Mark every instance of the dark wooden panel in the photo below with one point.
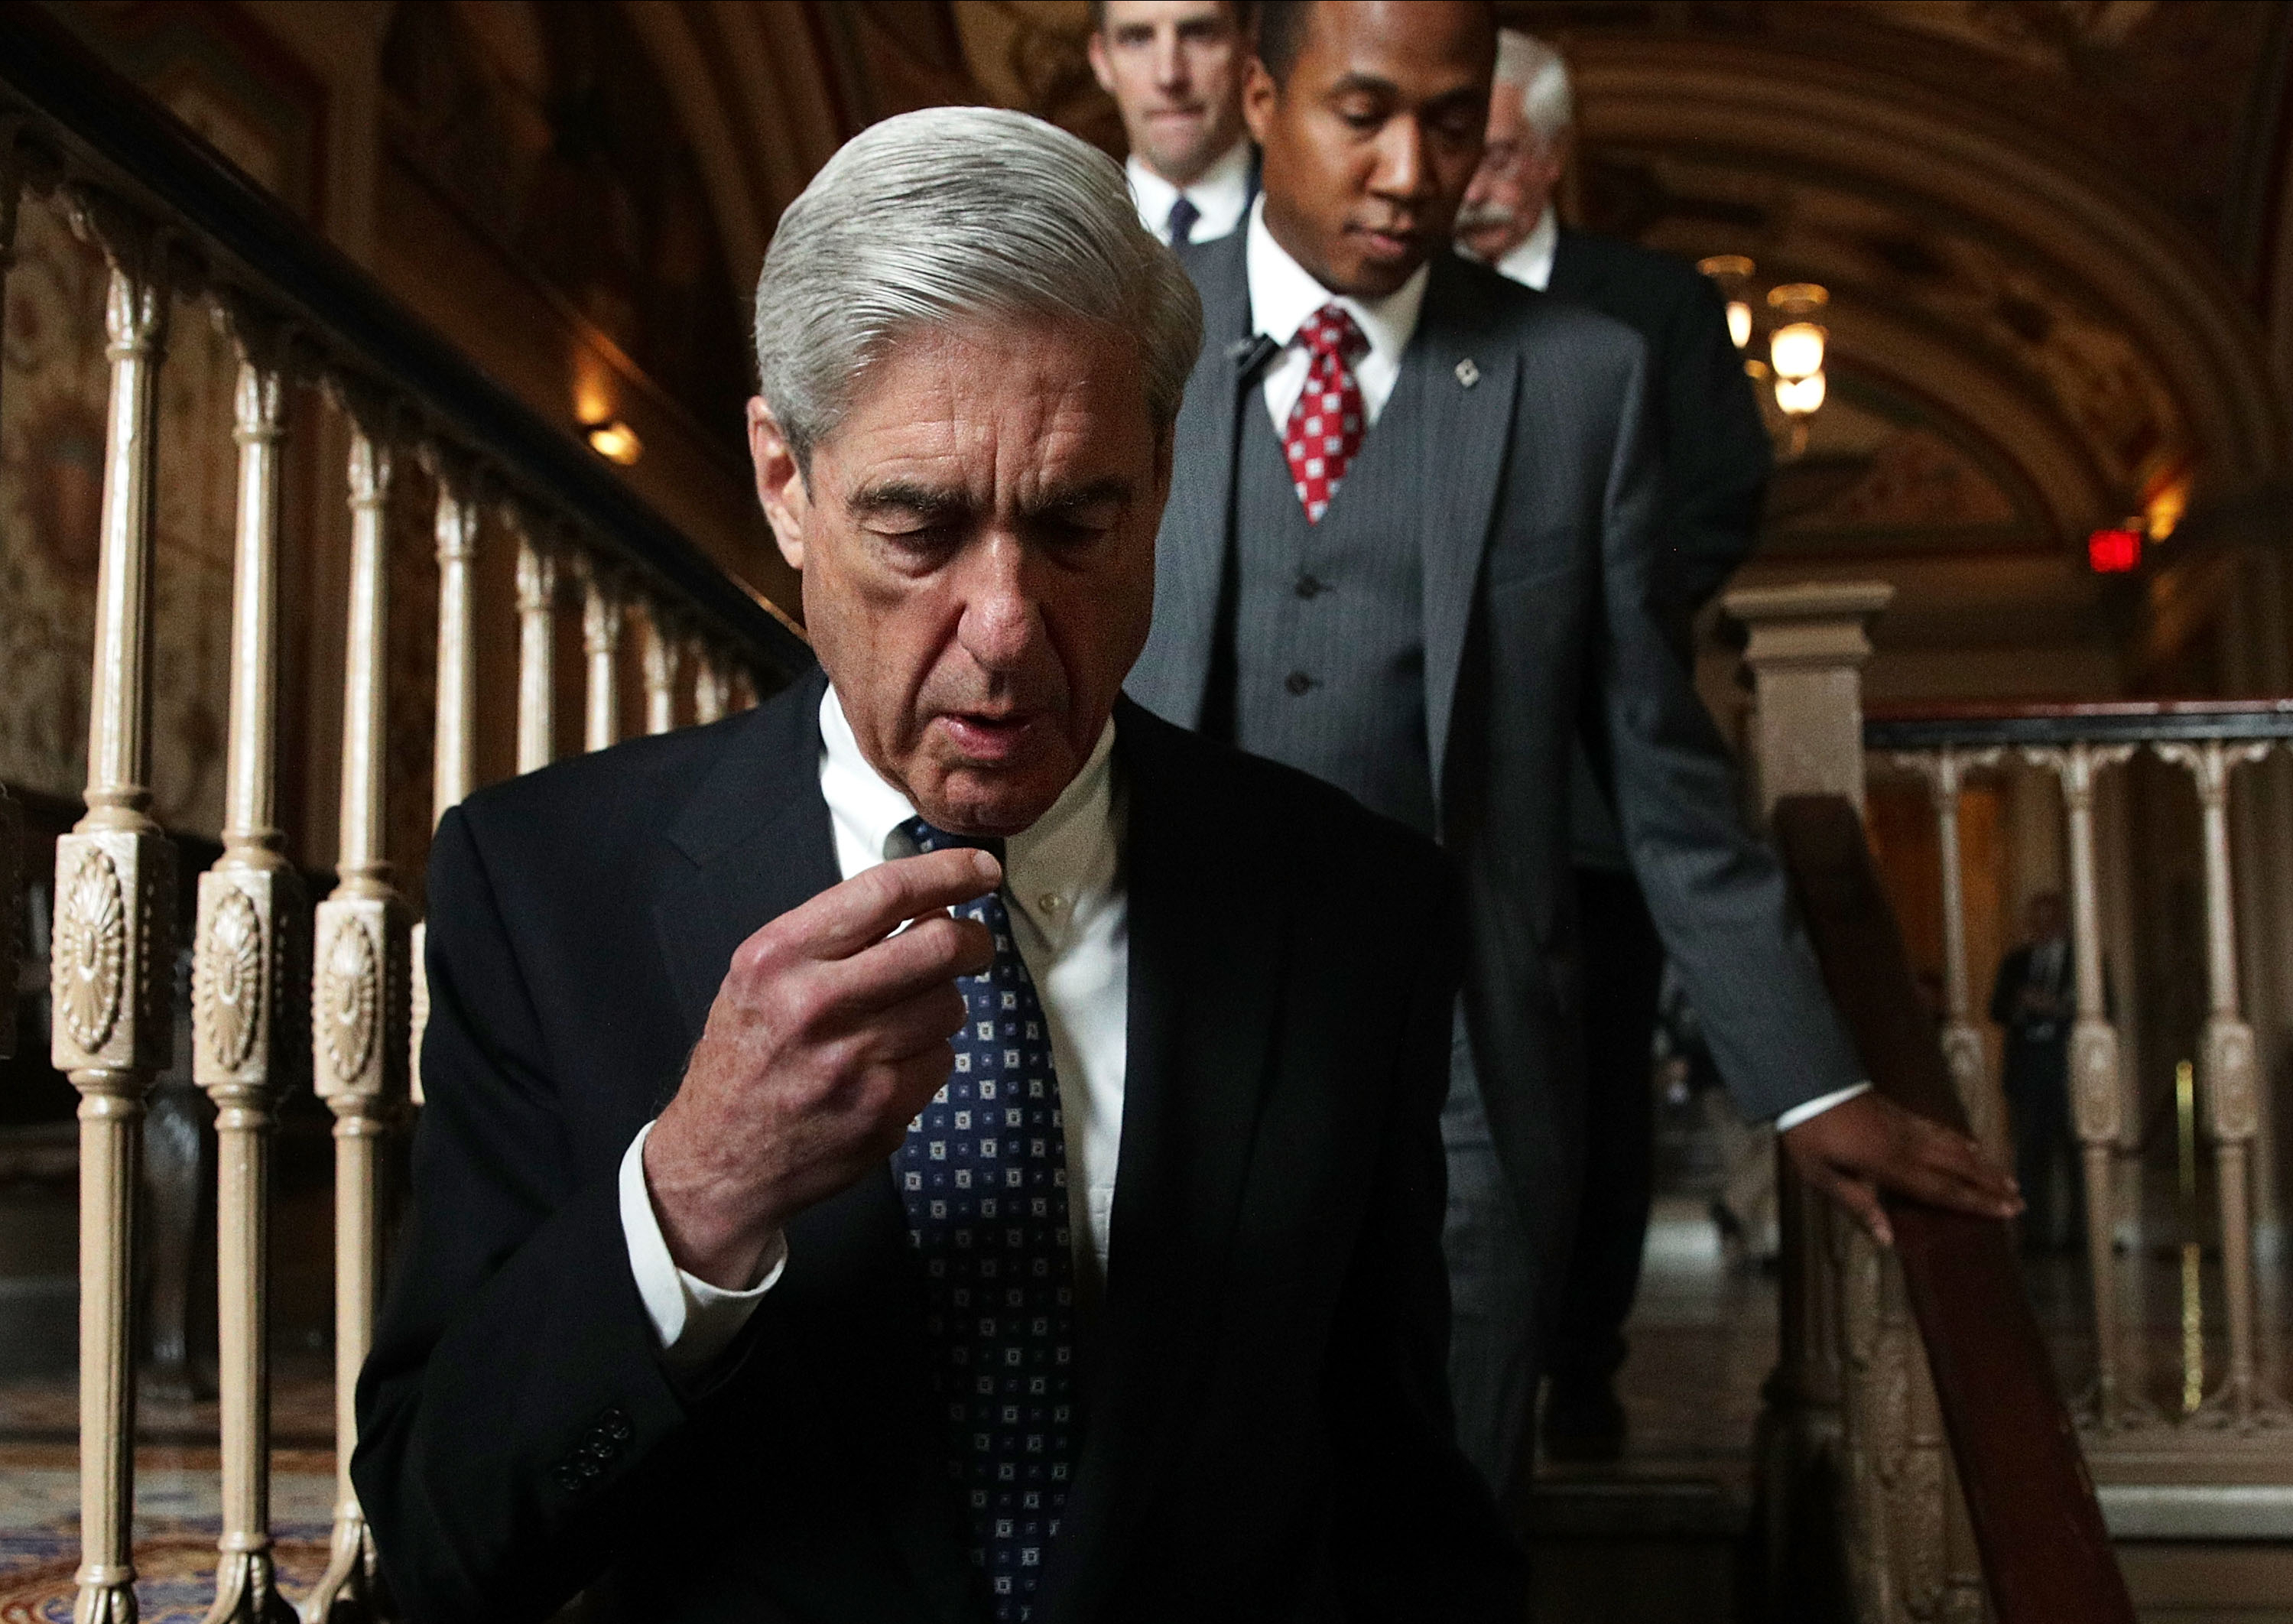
(2046, 1551)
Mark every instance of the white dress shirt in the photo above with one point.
(1064, 887)
(1219, 195)
(1530, 261)
(1282, 292)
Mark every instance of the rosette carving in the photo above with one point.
(232, 980)
(349, 1002)
(91, 950)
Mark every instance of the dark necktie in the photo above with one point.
(1183, 216)
(1326, 426)
(983, 1177)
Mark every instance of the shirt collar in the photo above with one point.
(1282, 292)
(1530, 263)
(1068, 849)
(1219, 193)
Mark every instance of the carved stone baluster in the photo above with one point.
(1945, 772)
(2231, 1080)
(454, 734)
(660, 654)
(2097, 1100)
(11, 818)
(712, 689)
(537, 655)
(250, 958)
(600, 641)
(113, 959)
(358, 1012)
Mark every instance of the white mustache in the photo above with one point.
(1484, 216)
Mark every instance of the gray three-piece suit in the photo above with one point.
(1484, 585)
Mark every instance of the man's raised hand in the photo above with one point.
(828, 1036)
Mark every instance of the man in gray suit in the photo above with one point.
(1411, 540)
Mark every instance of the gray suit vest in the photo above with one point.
(1329, 641)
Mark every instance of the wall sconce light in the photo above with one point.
(1731, 272)
(614, 441)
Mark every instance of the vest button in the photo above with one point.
(1298, 682)
(1308, 587)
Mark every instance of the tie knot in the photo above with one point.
(928, 838)
(1183, 216)
(1330, 331)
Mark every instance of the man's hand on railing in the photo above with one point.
(1853, 1151)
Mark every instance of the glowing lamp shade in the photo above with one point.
(2113, 551)
(1799, 397)
(1739, 323)
(1797, 350)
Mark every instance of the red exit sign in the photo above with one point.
(2113, 552)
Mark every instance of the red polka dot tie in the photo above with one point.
(1326, 425)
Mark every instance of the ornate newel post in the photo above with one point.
(2230, 1079)
(114, 950)
(1852, 1381)
(1945, 773)
(661, 655)
(2098, 1101)
(537, 654)
(600, 641)
(359, 1014)
(252, 948)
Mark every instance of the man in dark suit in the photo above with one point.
(2035, 1000)
(736, 1287)
(1411, 539)
(1706, 425)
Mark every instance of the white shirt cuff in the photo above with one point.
(1808, 1109)
(695, 1321)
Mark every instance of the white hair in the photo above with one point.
(1537, 70)
(953, 214)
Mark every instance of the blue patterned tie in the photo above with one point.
(983, 1177)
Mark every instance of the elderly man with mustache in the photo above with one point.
(947, 1144)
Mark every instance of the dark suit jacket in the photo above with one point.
(1705, 422)
(1538, 525)
(1267, 1425)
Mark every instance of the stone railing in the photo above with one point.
(180, 229)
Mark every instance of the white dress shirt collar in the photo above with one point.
(1530, 262)
(1282, 292)
(1219, 194)
(1058, 871)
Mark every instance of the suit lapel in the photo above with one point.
(1466, 425)
(1574, 276)
(1191, 550)
(757, 842)
(1207, 949)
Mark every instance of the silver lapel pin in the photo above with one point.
(1468, 374)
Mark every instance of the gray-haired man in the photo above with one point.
(786, 1248)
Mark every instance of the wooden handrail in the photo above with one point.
(2046, 1552)
(1976, 724)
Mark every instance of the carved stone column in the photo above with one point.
(252, 954)
(112, 965)
(2230, 1076)
(1807, 649)
(1945, 772)
(537, 655)
(2098, 1101)
(600, 641)
(660, 654)
(359, 1013)
(712, 689)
